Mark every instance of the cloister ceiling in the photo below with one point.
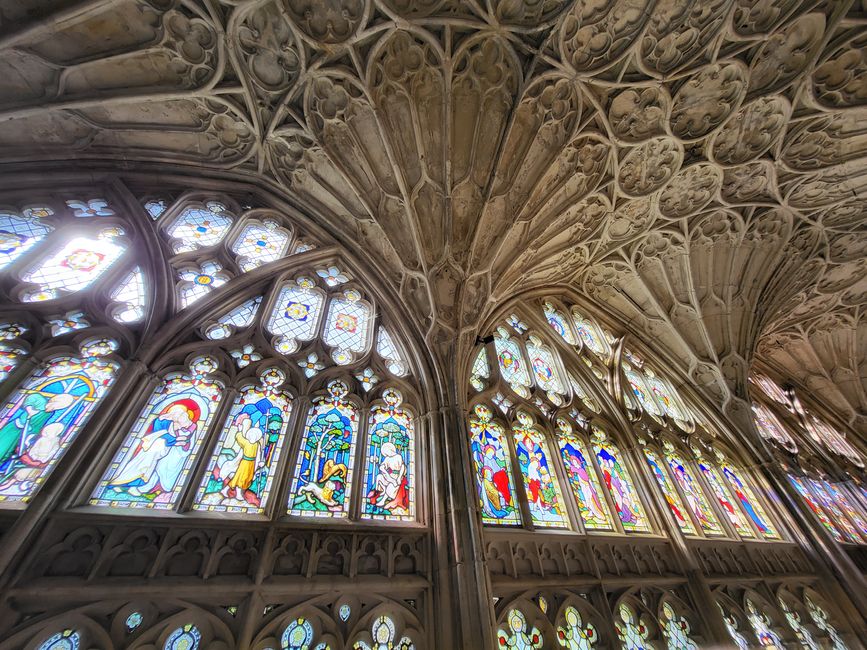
(698, 168)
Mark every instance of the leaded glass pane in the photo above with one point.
(296, 315)
(198, 282)
(664, 397)
(762, 627)
(511, 360)
(633, 632)
(66, 640)
(838, 517)
(620, 486)
(582, 479)
(813, 504)
(386, 349)
(260, 243)
(749, 503)
(839, 496)
(200, 227)
(798, 627)
(10, 356)
(347, 326)
(298, 635)
(518, 635)
(675, 629)
(825, 434)
(723, 495)
(671, 496)
(544, 366)
(540, 481)
(130, 292)
(589, 335)
(639, 389)
(18, 234)
(187, 637)
(771, 428)
(559, 323)
(694, 495)
(573, 633)
(493, 471)
(823, 622)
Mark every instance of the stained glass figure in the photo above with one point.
(731, 624)
(296, 315)
(582, 394)
(573, 633)
(196, 282)
(675, 629)
(642, 394)
(131, 293)
(837, 515)
(367, 378)
(761, 625)
(298, 635)
(150, 468)
(517, 636)
(823, 622)
(749, 503)
(133, 621)
(332, 276)
(73, 267)
(511, 360)
(694, 495)
(156, 207)
(559, 323)
(582, 479)
(770, 427)
(241, 472)
(389, 352)
(632, 631)
(801, 632)
(187, 637)
(825, 434)
(801, 486)
(619, 484)
(670, 494)
(20, 233)
(540, 481)
(245, 356)
(589, 335)
(260, 243)
(66, 640)
(545, 370)
(839, 496)
(723, 496)
(10, 356)
(199, 227)
(69, 322)
(347, 326)
(383, 633)
(664, 397)
(45, 414)
(770, 388)
(480, 371)
(389, 468)
(493, 471)
(323, 474)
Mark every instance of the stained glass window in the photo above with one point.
(545, 369)
(825, 434)
(589, 335)
(90, 208)
(670, 494)
(823, 622)
(540, 481)
(664, 396)
(130, 292)
(298, 635)
(837, 515)
(813, 504)
(237, 319)
(770, 388)
(155, 208)
(246, 355)
(493, 471)
(632, 631)
(770, 427)
(839, 496)
(323, 473)
(10, 356)
(390, 353)
(582, 479)
(73, 267)
(69, 322)
(480, 371)
(383, 633)
(18, 234)
(187, 637)
(198, 281)
(333, 276)
(726, 502)
(42, 417)
(200, 227)
(367, 378)
(639, 389)
(241, 472)
(260, 243)
(296, 315)
(133, 621)
(582, 394)
(798, 627)
(675, 629)
(517, 636)
(574, 633)
(749, 503)
(344, 612)
(149, 469)
(511, 360)
(731, 624)
(66, 640)
(619, 484)
(761, 625)
(559, 323)
(694, 495)
(346, 326)
(389, 467)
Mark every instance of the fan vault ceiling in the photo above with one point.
(697, 168)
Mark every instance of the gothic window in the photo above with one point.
(833, 509)
(731, 507)
(839, 495)
(675, 505)
(640, 391)
(541, 486)
(675, 629)
(693, 493)
(296, 314)
(347, 327)
(559, 323)
(480, 370)
(130, 297)
(46, 413)
(513, 368)
(493, 468)
(590, 335)
(545, 372)
(10, 357)
(771, 428)
(731, 623)
(259, 243)
(298, 635)
(197, 281)
(822, 621)
(66, 640)
(582, 476)
(21, 232)
(518, 634)
(761, 624)
(573, 633)
(186, 637)
(200, 226)
(384, 635)
(389, 353)
(770, 388)
(618, 481)
(833, 440)
(633, 631)
(793, 617)
(800, 484)
(746, 497)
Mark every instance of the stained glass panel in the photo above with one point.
(42, 417)
(73, 267)
(200, 227)
(770, 427)
(573, 633)
(675, 629)
(813, 504)
(10, 356)
(823, 622)
(389, 468)
(801, 632)
(155, 208)
(383, 633)
(131, 292)
(694, 495)
(296, 315)
(838, 517)
(582, 394)
(237, 319)
(346, 326)
(198, 282)
(825, 434)
(517, 636)
(66, 640)
(670, 494)
(323, 474)
(69, 322)
(480, 370)
(762, 627)
(298, 635)
(150, 468)
(260, 243)
(241, 472)
(664, 397)
(723, 495)
(620, 486)
(559, 323)
(633, 632)
(386, 349)
(770, 388)
(18, 234)
(544, 366)
(187, 637)
(493, 471)
(839, 496)
(588, 334)
(731, 624)
(639, 389)
(749, 503)
(540, 481)
(511, 360)
(582, 479)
